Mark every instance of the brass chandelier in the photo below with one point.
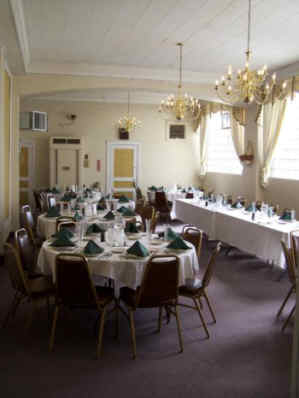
(247, 85)
(128, 122)
(182, 107)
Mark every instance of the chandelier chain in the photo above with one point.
(249, 27)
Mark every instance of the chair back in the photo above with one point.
(210, 267)
(15, 269)
(194, 236)
(26, 248)
(67, 221)
(51, 201)
(37, 200)
(43, 201)
(160, 281)
(189, 195)
(147, 213)
(151, 196)
(295, 246)
(74, 286)
(26, 219)
(139, 195)
(290, 262)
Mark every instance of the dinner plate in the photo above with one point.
(134, 236)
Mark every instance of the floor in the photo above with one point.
(246, 356)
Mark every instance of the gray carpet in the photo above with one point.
(246, 356)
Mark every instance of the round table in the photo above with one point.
(117, 266)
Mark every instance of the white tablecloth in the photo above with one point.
(235, 227)
(128, 272)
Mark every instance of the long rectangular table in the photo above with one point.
(260, 238)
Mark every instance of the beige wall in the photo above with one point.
(162, 162)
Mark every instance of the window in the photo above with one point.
(222, 157)
(285, 163)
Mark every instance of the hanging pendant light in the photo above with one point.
(128, 122)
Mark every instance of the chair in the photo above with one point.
(194, 236)
(148, 212)
(151, 196)
(198, 289)
(75, 289)
(43, 201)
(37, 199)
(34, 290)
(189, 195)
(295, 246)
(66, 221)
(27, 221)
(162, 205)
(290, 262)
(159, 288)
(28, 252)
(51, 200)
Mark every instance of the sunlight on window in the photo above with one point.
(222, 157)
(285, 163)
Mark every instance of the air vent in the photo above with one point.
(74, 141)
(59, 141)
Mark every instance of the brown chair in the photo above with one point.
(51, 200)
(198, 289)
(148, 212)
(194, 236)
(27, 221)
(295, 246)
(34, 290)
(66, 221)
(75, 289)
(37, 199)
(189, 195)
(162, 205)
(151, 195)
(290, 263)
(28, 252)
(159, 288)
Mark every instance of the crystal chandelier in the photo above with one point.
(182, 107)
(128, 122)
(246, 85)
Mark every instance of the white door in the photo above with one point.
(67, 167)
(26, 161)
(122, 167)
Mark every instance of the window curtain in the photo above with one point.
(237, 135)
(203, 142)
(273, 115)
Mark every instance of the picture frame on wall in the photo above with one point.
(175, 131)
(123, 134)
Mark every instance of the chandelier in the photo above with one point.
(246, 85)
(181, 106)
(128, 122)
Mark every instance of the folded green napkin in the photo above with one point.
(55, 190)
(94, 229)
(286, 216)
(131, 228)
(170, 234)
(53, 212)
(178, 243)
(249, 208)
(62, 241)
(77, 207)
(62, 233)
(121, 209)
(152, 188)
(128, 213)
(137, 249)
(66, 198)
(92, 248)
(123, 199)
(237, 205)
(109, 216)
(77, 217)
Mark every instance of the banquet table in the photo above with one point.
(261, 237)
(123, 269)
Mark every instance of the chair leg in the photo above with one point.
(133, 335)
(52, 337)
(101, 331)
(288, 318)
(201, 317)
(284, 302)
(210, 307)
(178, 322)
(160, 319)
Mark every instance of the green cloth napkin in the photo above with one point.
(62, 241)
(55, 190)
(237, 205)
(137, 249)
(77, 217)
(131, 228)
(170, 234)
(128, 213)
(94, 229)
(77, 207)
(152, 188)
(178, 243)
(63, 232)
(53, 212)
(66, 198)
(123, 199)
(109, 216)
(92, 248)
(249, 208)
(286, 216)
(121, 209)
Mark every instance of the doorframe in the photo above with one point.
(109, 148)
(31, 144)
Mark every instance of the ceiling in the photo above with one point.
(136, 38)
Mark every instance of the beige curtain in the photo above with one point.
(237, 135)
(273, 115)
(203, 142)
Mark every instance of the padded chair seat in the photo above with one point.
(41, 286)
(191, 289)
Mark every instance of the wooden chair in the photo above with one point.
(295, 246)
(151, 197)
(162, 205)
(75, 289)
(189, 195)
(34, 290)
(37, 199)
(198, 289)
(194, 236)
(159, 288)
(51, 200)
(66, 221)
(290, 262)
(28, 252)
(27, 222)
(148, 212)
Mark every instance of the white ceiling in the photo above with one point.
(136, 38)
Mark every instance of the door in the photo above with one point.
(123, 167)
(26, 163)
(67, 167)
